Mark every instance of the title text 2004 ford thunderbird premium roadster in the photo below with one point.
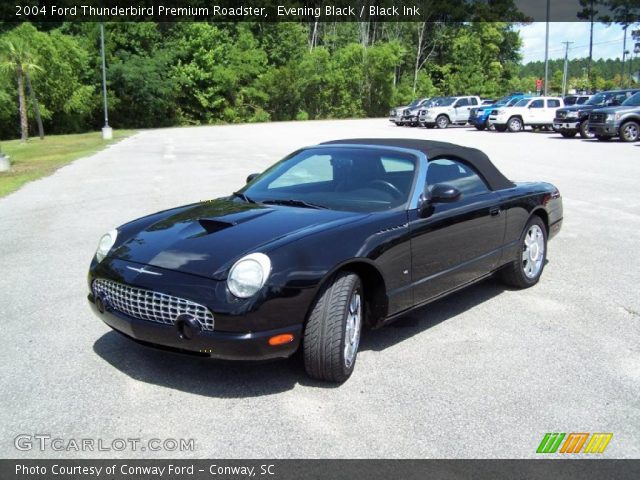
(332, 238)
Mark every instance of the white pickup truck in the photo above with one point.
(534, 112)
(448, 110)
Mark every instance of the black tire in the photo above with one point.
(442, 121)
(515, 124)
(630, 131)
(514, 274)
(568, 134)
(398, 124)
(603, 138)
(325, 332)
(584, 130)
(500, 128)
(480, 127)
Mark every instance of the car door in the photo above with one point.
(535, 112)
(553, 104)
(462, 110)
(455, 243)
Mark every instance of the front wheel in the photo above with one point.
(442, 121)
(515, 124)
(584, 130)
(480, 127)
(501, 128)
(332, 333)
(630, 131)
(527, 266)
(568, 133)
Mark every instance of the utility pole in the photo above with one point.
(546, 51)
(107, 132)
(624, 53)
(565, 76)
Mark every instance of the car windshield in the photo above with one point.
(523, 102)
(513, 101)
(600, 99)
(415, 103)
(502, 101)
(633, 101)
(445, 101)
(337, 178)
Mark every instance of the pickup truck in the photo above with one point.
(447, 111)
(574, 119)
(622, 121)
(479, 116)
(402, 115)
(535, 112)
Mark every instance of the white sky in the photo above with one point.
(607, 40)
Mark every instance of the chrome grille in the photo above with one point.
(149, 305)
(598, 118)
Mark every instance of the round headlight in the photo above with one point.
(248, 275)
(105, 244)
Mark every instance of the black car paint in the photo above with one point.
(406, 258)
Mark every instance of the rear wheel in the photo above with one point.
(527, 266)
(442, 121)
(630, 131)
(515, 124)
(584, 130)
(568, 133)
(332, 333)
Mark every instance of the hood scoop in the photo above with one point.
(213, 226)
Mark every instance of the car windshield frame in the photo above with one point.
(632, 101)
(354, 200)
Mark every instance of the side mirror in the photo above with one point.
(251, 177)
(439, 193)
(443, 193)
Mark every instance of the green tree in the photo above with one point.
(17, 58)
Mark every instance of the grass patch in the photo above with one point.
(38, 158)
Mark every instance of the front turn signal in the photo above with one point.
(280, 339)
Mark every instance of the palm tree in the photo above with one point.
(18, 59)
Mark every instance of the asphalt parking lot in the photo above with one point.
(482, 374)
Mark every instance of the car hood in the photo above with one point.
(577, 108)
(620, 109)
(206, 238)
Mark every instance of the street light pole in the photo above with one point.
(107, 132)
(565, 75)
(624, 54)
(546, 51)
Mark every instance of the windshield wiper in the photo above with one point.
(294, 203)
(243, 197)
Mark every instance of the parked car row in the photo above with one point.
(605, 115)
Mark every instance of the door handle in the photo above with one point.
(495, 211)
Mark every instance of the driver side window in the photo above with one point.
(463, 102)
(457, 174)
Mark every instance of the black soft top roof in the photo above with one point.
(434, 150)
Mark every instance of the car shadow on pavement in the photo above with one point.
(222, 379)
(432, 314)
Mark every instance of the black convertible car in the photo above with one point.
(332, 238)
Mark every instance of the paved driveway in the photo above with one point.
(484, 373)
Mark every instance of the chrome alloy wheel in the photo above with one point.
(353, 326)
(630, 132)
(533, 252)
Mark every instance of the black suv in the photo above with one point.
(571, 120)
(622, 121)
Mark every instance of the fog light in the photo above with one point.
(281, 339)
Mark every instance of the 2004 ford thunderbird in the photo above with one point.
(332, 238)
